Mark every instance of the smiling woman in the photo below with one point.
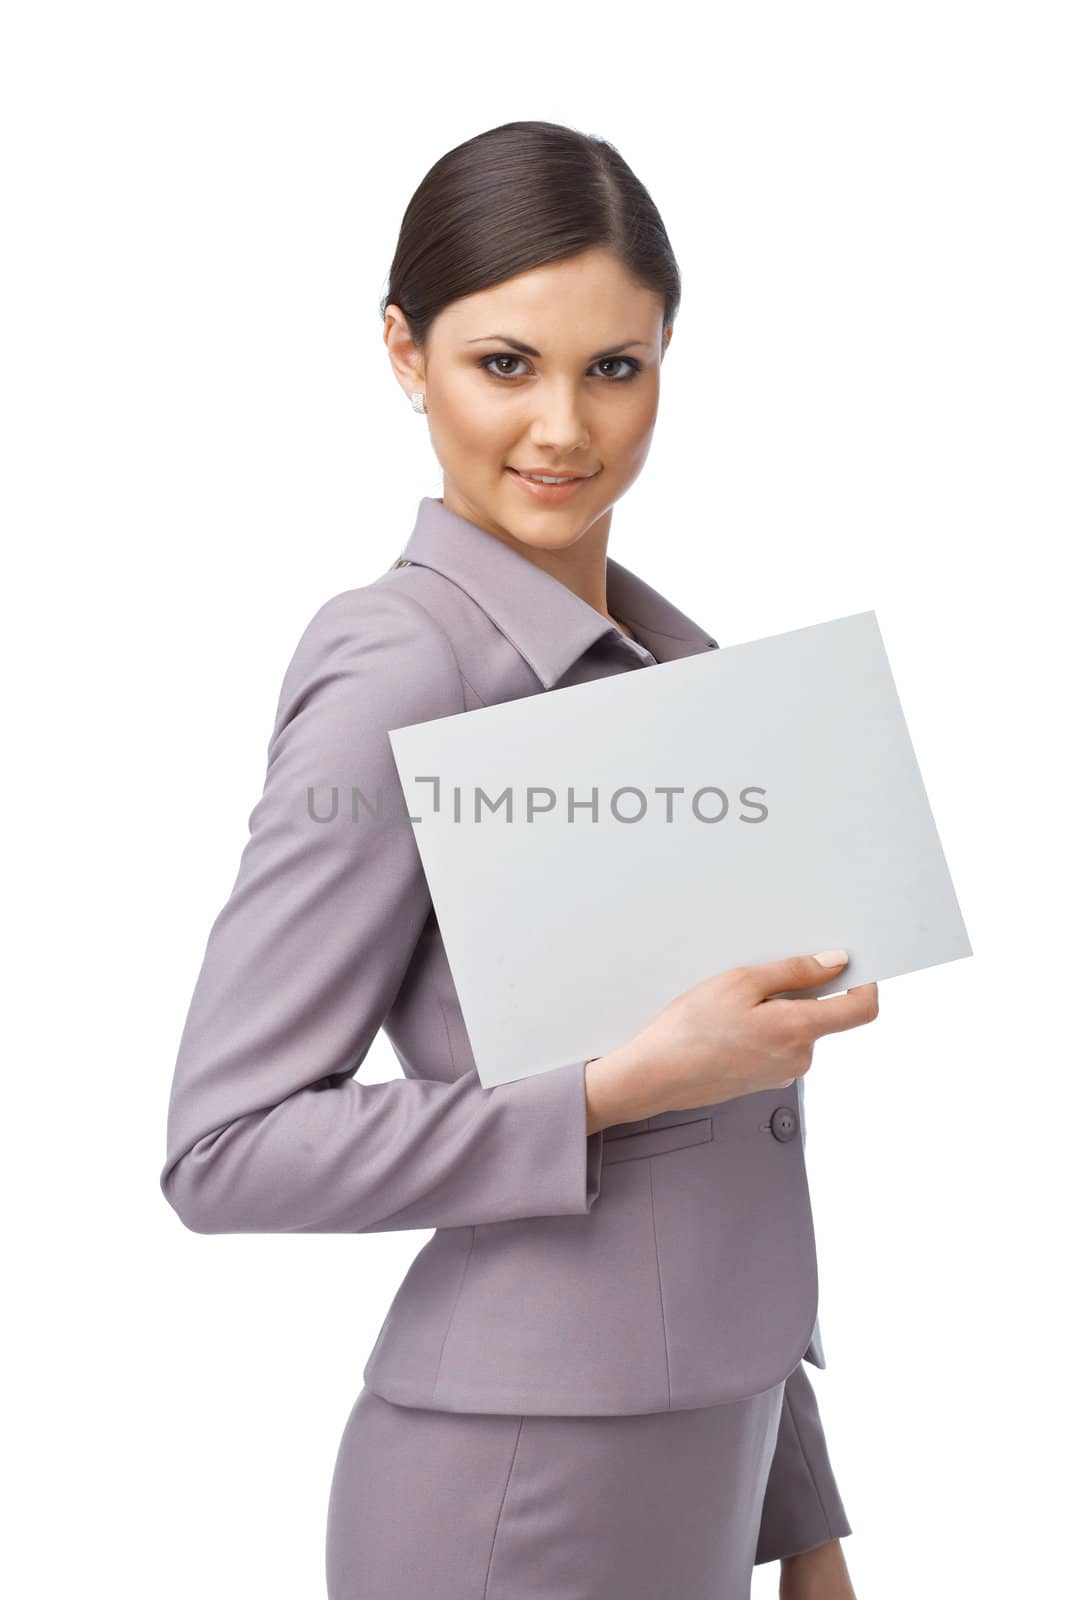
(530, 332)
(590, 1382)
(541, 429)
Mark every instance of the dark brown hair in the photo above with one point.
(517, 197)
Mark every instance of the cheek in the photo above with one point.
(470, 415)
(628, 431)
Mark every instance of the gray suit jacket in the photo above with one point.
(656, 1265)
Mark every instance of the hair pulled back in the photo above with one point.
(520, 196)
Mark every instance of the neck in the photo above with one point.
(581, 566)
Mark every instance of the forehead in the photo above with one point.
(584, 296)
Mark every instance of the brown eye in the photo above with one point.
(488, 362)
(613, 361)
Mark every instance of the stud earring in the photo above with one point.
(418, 401)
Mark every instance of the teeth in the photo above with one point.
(540, 477)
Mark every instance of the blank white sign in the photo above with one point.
(798, 822)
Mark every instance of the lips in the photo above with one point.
(542, 472)
(549, 494)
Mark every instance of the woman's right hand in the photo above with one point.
(724, 1037)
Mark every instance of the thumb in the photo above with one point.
(796, 972)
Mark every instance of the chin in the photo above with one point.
(559, 535)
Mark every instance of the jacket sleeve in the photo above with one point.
(802, 1506)
(268, 1129)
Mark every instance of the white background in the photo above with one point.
(863, 406)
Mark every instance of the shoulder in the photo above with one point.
(377, 647)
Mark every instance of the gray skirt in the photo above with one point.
(480, 1506)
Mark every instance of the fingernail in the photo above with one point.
(832, 958)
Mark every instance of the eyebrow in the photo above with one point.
(528, 349)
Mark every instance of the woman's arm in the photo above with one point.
(268, 1129)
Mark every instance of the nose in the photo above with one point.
(558, 425)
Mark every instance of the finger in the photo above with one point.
(838, 1012)
(812, 999)
(794, 972)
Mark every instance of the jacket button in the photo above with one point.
(783, 1123)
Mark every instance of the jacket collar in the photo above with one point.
(549, 625)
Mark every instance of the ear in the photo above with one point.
(404, 354)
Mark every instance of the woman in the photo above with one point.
(590, 1382)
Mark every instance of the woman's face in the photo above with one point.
(562, 405)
